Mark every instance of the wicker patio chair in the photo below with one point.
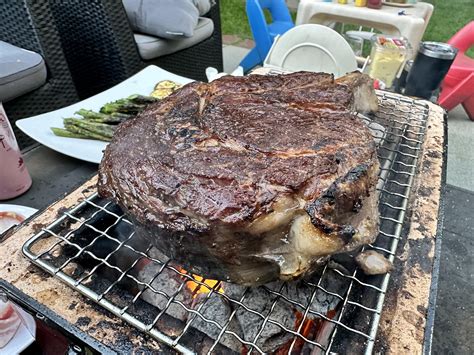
(101, 50)
(29, 24)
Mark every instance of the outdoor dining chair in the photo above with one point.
(458, 86)
(102, 51)
(29, 24)
(264, 34)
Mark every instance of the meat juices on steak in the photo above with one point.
(250, 179)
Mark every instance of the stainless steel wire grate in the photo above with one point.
(92, 248)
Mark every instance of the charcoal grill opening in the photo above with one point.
(93, 248)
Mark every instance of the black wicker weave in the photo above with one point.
(101, 51)
(29, 24)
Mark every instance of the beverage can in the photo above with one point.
(14, 176)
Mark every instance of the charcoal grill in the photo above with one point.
(356, 305)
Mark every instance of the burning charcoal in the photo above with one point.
(263, 300)
(260, 300)
(324, 302)
(217, 309)
(156, 254)
(168, 282)
(324, 334)
(273, 336)
(298, 292)
(333, 282)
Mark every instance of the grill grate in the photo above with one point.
(93, 249)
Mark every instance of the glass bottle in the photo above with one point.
(360, 3)
(374, 4)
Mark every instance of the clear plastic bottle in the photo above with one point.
(14, 176)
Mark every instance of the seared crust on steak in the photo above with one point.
(249, 179)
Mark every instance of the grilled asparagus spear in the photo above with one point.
(142, 100)
(115, 117)
(102, 129)
(131, 105)
(86, 133)
(60, 132)
(122, 105)
(101, 125)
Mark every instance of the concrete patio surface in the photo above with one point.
(460, 149)
(232, 57)
(454, 322)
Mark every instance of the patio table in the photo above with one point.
(410, 22)
(406, 322)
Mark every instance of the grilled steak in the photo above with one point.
(250, 179)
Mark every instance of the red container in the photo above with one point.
(374, 4)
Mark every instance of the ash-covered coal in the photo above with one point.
(216, 308)
(168, 286)
(259, 315)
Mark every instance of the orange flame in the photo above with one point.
(197, 288)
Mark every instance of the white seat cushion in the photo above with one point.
(151, 47)
(21, 71)
(172, 19)
(203, 6)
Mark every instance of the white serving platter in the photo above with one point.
(38, 127)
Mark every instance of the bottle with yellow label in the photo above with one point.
(342, 1)
(360, 3)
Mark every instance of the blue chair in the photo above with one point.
(264, 34)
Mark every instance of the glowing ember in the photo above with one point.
(311, 329)
(197, 288)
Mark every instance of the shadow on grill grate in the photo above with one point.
(93, 248)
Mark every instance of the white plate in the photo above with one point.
(24, 336)
(38, 127)
(313, 48)
(23, 211)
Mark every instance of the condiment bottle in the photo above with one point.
(360, 3)
(374, 4)
(342, 2)
(14, 177)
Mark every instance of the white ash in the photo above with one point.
(216, 308)
(167, 282)
(246, 324)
